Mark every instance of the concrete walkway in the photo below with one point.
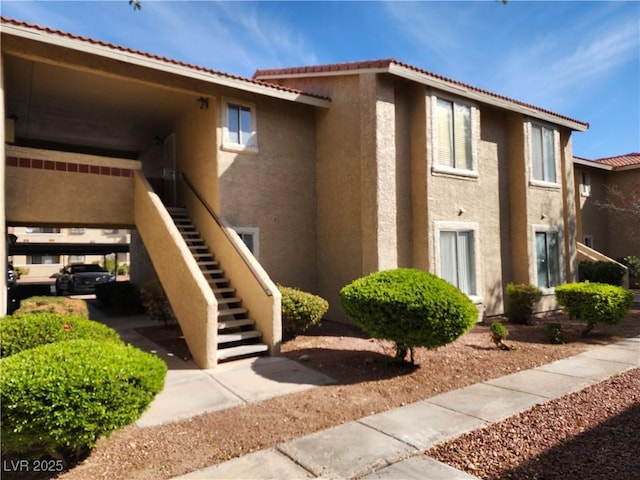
(390, 444)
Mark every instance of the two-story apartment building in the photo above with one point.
(608, 197)
(309, 177)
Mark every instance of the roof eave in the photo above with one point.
(591, 164)
(158, 64)
(443, 85)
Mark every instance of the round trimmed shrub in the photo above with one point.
(300, 310)
(410, 307)
(58, 305)
(594, 302)
(58, 399)
(520, 302)
(26, 331)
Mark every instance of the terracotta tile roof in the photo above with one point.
(160, 58)
(386, 63)
(620, 160)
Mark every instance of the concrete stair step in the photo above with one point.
(218, 281)
(233, 353)
(238, 337)
(232, 311)
(224, 301)
(245, 322)
(221, 290)
(213, 271)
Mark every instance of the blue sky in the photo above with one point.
(579, 59)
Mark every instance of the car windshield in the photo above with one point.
(85, 268)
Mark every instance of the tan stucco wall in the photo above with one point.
(624, 233)
(35, 195)
(274, 189)
(195, 150)
(592, 220)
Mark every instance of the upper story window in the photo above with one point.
(585, 184)
(454, 149)
(239, 131)
(543, 153)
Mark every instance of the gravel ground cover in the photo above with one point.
(367, 383)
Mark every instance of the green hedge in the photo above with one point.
(59, 305)
(600, 272)
(409, 307)
(520, 302)
(58, 399)
(26, 331)
(300, 310)
(594, 302)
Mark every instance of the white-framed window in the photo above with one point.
(585, 184)
(543, 154)
(588, 241)
(77, 231)
(548, 264)
(239, 126)
(456, 255)
(110, 231)
(251, 238)
(43, 259)
(454, 132)
(44, 230)
(76, 258)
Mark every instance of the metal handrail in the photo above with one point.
(223, 227)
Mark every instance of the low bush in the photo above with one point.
(59, 399)
(20, 332)
(300, 310)
(520, 302)
(594, 303)
(123, 298)
(556, 333)
(410, 307)
(58, 305)
(156, 303)
(633, 264)
(600, 272)
(499, 333)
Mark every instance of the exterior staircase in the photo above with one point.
(237, 336)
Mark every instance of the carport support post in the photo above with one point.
(3, 216)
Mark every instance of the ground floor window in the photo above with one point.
(76, 258)
(457, 259)
(548, 259)
(43, 259)
(251, 238)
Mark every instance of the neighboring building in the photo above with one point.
(331, 172)
(46, 264)
(608, 197)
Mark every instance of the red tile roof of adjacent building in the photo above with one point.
(160, 58)
(620, 160)
(386, 63)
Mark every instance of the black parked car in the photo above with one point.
(81, 278)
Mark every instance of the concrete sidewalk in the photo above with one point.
(190, 391)
(390, 444)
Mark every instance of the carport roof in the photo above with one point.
(29, 248)
(78, 42)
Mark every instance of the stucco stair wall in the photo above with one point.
(237, 335)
